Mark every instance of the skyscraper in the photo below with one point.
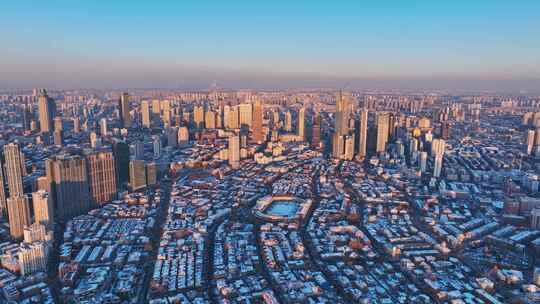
(101, 176)
(183, 136)
(123, 106)
(342, 113)
(19, 215)
(234, 151)
(341, 128)
(316, 132)
(137, 174)
(43, 208)
(3, 197)
(301, 124)
(145, 112)
(246, 114)
(233, 121)
(437, 149)
(362, 134)
(382, 131)
(69, 185)
(166, 112)
(47, 112)
(258, 121)
(210, 120)
(76, 125)
(121, 160)
(14, 169)
(103, 127)
(288, 121)
(198, 116)
(530, 141)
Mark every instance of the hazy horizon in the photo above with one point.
(458, 46)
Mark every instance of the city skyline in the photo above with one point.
(456, 46)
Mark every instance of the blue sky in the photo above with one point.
(269, 43)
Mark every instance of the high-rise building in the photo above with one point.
(123, 106)
(348, 154)
(246, 114)
(58, 138)
(234, 151)
(166, 112)
(156, 144)
(172, 137)
(137, 149)
(58, 124)
(101, 176)
(121, 160)
(37, 232)
(301, 124)
(233, 118)
(288, 121)
(95, 140)
(33, 257)
(3, 197)
(258, 121)
(437, 149)
(19, 215)
(151, 174)
(530, 141)
(183, 136)
(362, 134)
(423, 161)
(210, 120)
(338, 145)
(341, 128)
(69, 185)
(27, 116)
(342, 112)
(103, 127)
(145, 112)
(47, 112)
(76, 125)
(156, 107)
(382, 131)
(43, 208)
(137, 174)
(316, 132)
(14, 169)
(198, 116)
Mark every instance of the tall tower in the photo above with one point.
(137, 174)
(383, 120)
(316, 132)
(47, 112)
(301, 123)
(123, 106)
(198, 116)
(121, 160)
(19, 215)
(246, 114)
(258, 121)
(69, 185)
(288, 121)
(14, 169)
(3, 202)
(234, 151)
(101, 176)
(362, 134)
(341, 128)
(145, 111)
(210, 120)
(342, 112)
(43, 208)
